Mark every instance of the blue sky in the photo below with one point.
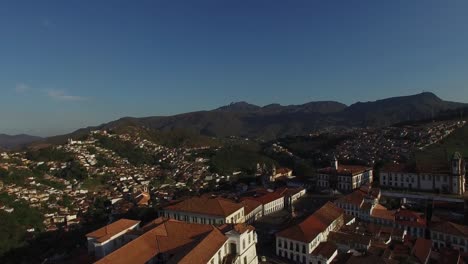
(70, 64)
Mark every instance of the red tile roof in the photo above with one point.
(206, 206)
(181, 242)
(409, 218)
(307, 230)
(250, 205)
(345, 170)
(265, 198)
(450, 228)
(355, 198)
(422, 249)
(108, 231)
(325, 249)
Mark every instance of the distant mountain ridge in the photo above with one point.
(274, 120)
(9, 142)
(312, 107)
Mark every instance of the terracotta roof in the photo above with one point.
(355, 198)
(345, 170)
(285, 191)
(439, 168)
(181, 242)
(108, 231)
(349, 238)
(265, 197)
(381, 212)
(422, 249)
(242, 228)
(250, 205)
(142, 198)
(206, 206)
(325, 249)
(450, 228)
(371, 259)
(406, 217)
(313, 225)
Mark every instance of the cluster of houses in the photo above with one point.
(392, 143)
(357, 228)
(448, 179)
(223, 233)
(343, 177)
(48, 199)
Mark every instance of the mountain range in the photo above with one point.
(8, 142)
(274, 120)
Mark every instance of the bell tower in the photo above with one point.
(457, 164)
(335, 163)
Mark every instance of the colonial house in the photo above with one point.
(253, 210)
(105, 240)
(360, 202)
(448, 234)
(271, 200)
(170, 241)
(450, 179)
(205, 210)
(413, 222)
(343, 177)
(299, 241)
(324, 253)
(364, 204)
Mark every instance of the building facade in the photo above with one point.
(450, 180)
(343, 177)
(205, 210)
(448, 234)
(107, 239)
(170, 241)
(299, 241)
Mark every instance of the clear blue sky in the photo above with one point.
(69, 64)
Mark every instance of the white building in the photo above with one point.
(171, 241)
(299, 241)
(275, 200)
(451, 180)
(448, 234)
(343, 177)
(253, 210)
(107, 239)
(206, 210)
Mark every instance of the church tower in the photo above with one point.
(458, 174)
(335, 163)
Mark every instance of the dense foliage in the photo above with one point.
(49, 154)
(238, 157)
(74, 170)
(15, 176)
(13, 225)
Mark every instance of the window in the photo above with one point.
(303, 249)
(243, 243)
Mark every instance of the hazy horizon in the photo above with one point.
(68, 65)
